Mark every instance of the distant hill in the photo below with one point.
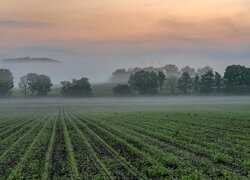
(30, 60)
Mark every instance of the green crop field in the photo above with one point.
(125, 139)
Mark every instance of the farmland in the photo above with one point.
(118, 138)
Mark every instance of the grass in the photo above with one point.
(99, 90)
(103, 89)
(80, 141)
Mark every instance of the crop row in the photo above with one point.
(80, 142)
(220, 160)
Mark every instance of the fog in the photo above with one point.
(99, 67)
(188, 101)
(96, 72)
(57, 71)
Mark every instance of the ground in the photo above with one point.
(125, 138)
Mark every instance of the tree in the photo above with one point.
(39, 84)
(218, 81)
(32, 82)
(171, 70)
(134, 70)
(120, 75)
(204, 70)
(237, 78)
(122, 89)
(79, 87)
(189, 70)
(172, 82)
(144, 82)
(6, 82)
(207, 82)
(161, 79)
(149, 69)
(43, 85)
(185, 82)
(23, 84)
(196, 83)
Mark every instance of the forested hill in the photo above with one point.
(30, 60)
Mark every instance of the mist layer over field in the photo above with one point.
(188, 101)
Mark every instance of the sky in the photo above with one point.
(93, 38)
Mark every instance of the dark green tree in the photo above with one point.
(39, 84)
(196, 83)
(161, 79)
(237, 79)
(79, 87)
(218, 81)
(6, 82)
(172, 81)
(144, 82)
(122, 90)
(185, 82)
(207, 82)
(32, 83)
(43, 85)
(23, 84)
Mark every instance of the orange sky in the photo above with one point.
(144, 21)
(125, 33)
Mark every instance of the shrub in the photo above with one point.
(79, 87)
(122, 89)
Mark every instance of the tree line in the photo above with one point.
(34, 84)
(236, 79)
(122, 75)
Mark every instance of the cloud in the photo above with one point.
(50, 49)
(7, 23)
(222, 29)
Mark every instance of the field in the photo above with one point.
(99, 90)
(118, 138)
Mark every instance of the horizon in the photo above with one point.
(19, 69)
